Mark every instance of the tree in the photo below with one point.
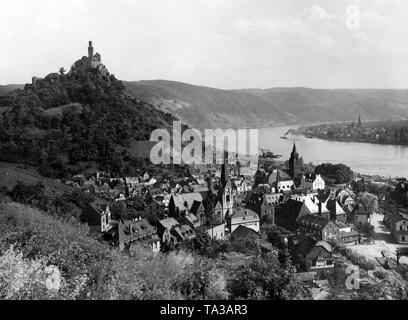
(62, 71)
(198, 282)
(23, 278)
(339, 172)
(266, 278)
(369, 200)
(203, 245)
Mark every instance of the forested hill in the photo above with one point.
(205, 107)
(67, 119)
(8, 88)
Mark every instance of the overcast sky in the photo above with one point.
(218, 43)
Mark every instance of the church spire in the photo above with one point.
(224, 169)
(359, 120)
(294, 148)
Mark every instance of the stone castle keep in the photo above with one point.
(94, 60)
(91, 61)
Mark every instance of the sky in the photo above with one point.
(225, 44)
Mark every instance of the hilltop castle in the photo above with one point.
(94, 60)
(91, 61)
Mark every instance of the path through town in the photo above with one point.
(383, 242)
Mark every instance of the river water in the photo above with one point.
(367, 158)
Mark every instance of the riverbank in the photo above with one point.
(373, 141)
(371, 159)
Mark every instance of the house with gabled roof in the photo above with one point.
(243, 233)
(244, 217)
(313, 255)
(336, 211)
(192, 220)
(315, 207)
(360, 215)
(172, 231)
(97, 215)
(164, 230)
(398, 222)
(269, 202)
(216, 231)
(280, 181)
(181, 203)
(318, 227)
(129, 233)
(312, 181)
(156, 208)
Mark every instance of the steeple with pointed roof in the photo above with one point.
(224, 169)
(359, 121)
(294, 148)
(295, 163)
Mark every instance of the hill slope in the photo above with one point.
(9, 87)
(11, 174)
(83, 116)
(205, 107)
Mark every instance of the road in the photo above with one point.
(382, 241)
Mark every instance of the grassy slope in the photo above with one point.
(10, 174)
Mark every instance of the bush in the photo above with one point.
(35, 279)
(63, 244)
(266, 278)
(201, 281)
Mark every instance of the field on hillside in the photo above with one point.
(11, 173)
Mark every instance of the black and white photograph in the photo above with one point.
(204, 153)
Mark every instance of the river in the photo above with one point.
(366, 158)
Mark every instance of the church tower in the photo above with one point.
(238, 165)
(295, 163)
(226, 195)
(224, 169)
(359, 121)
(90, 50)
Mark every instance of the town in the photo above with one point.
(384, 132)
(310, 217)
(84, 193)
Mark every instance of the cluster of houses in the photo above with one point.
(355, 131)
(308, 217)
(304, 214)
(166, 211)
(396, 219)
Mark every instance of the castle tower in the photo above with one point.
(295, 163)
(90, 50)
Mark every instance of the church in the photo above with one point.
(225, 189)
(295, 165)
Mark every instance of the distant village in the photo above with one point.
(304, 213)
(357, 131)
